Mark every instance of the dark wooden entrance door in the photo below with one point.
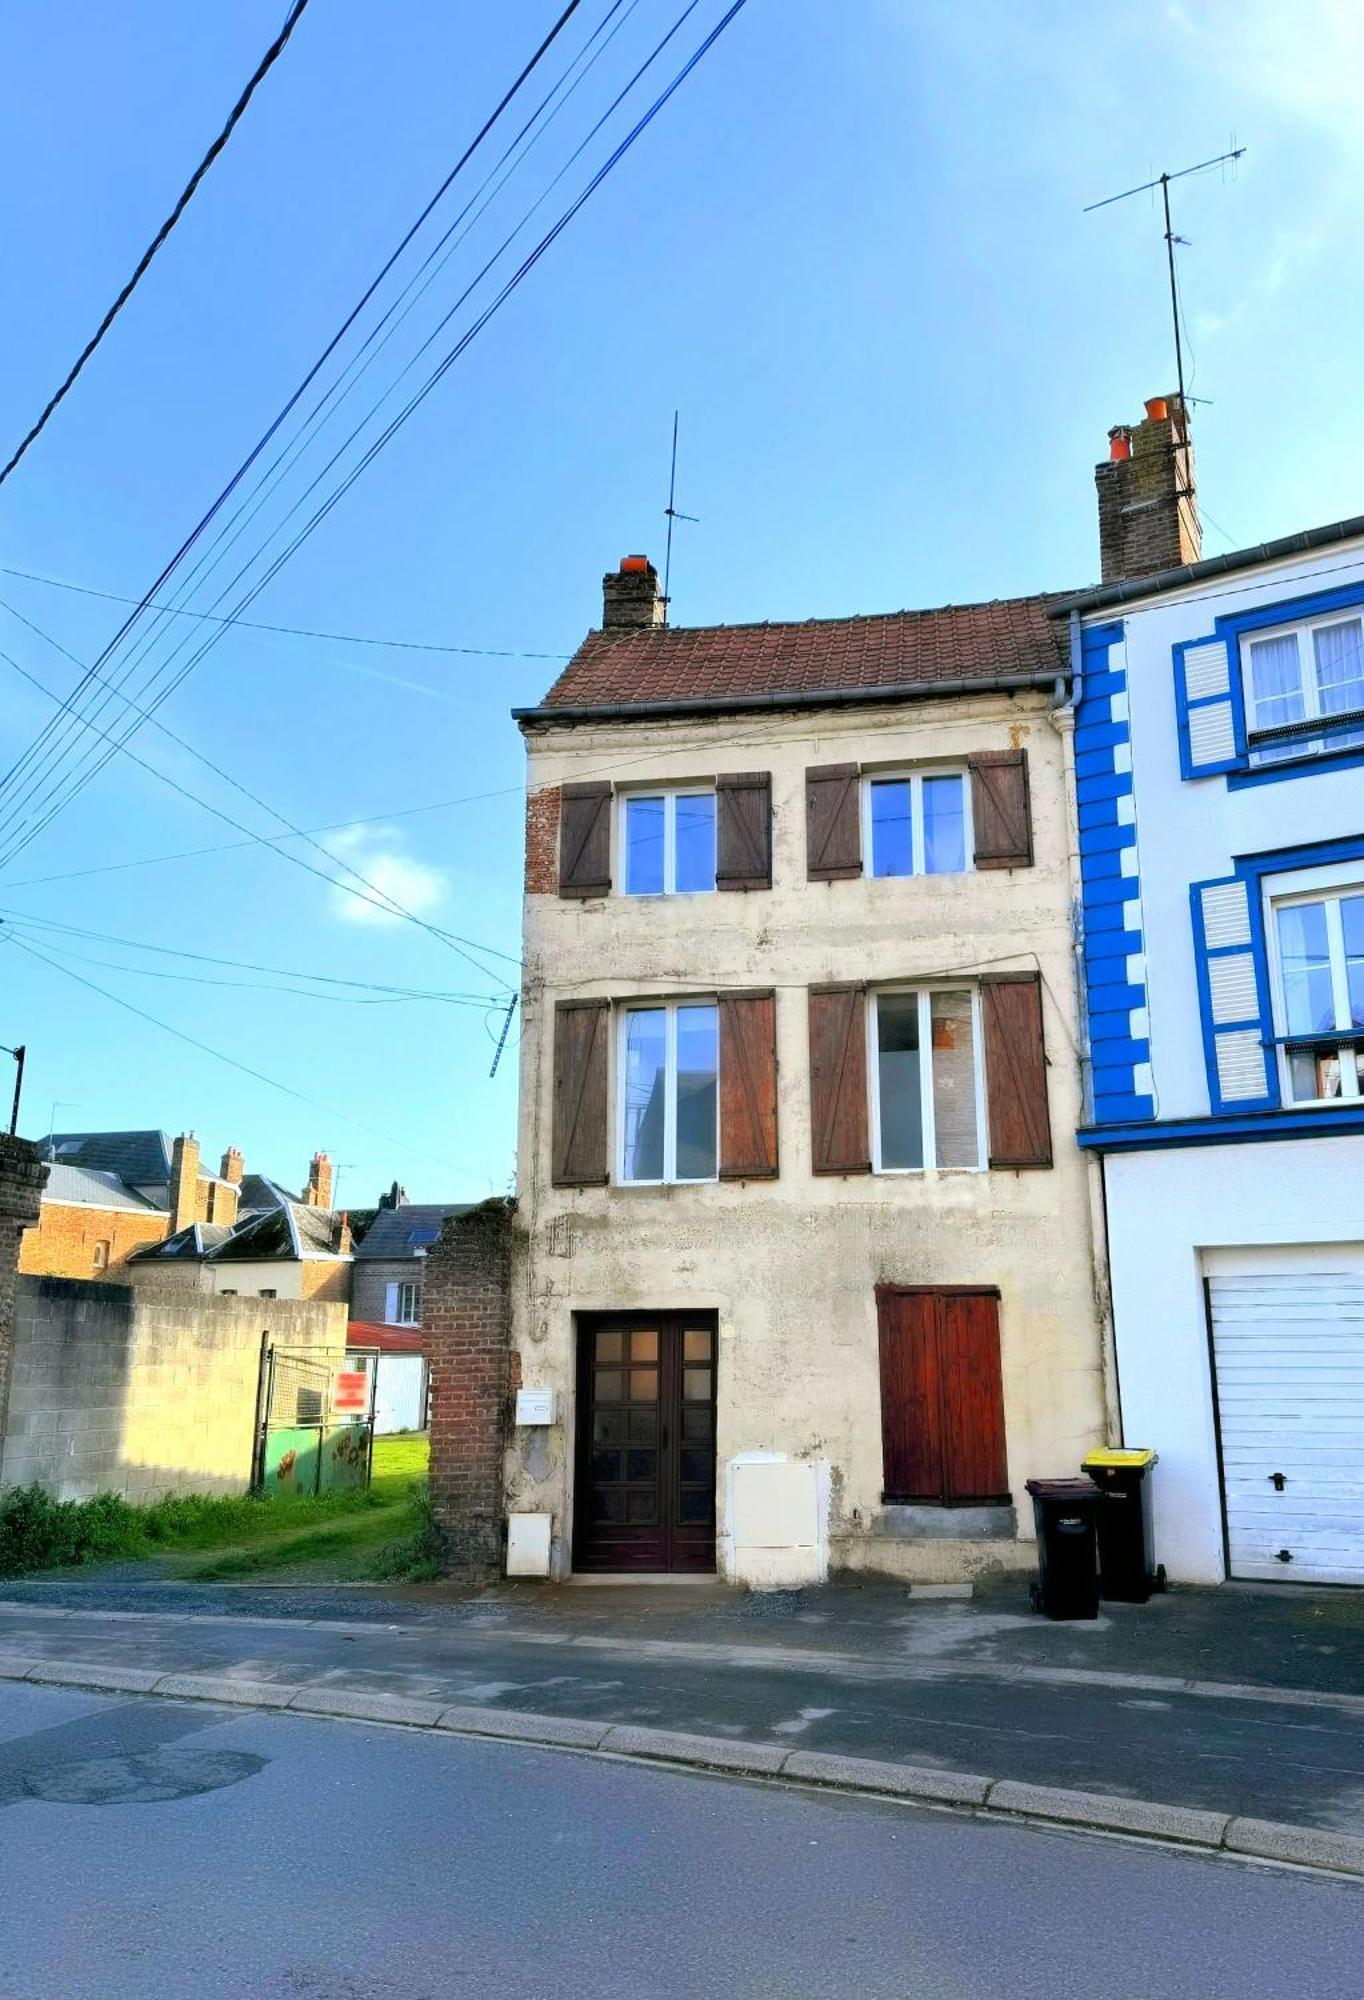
(646, 1443)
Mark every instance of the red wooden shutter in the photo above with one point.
(838, 1080)
(833, 823)
(942, 1398)
(1000, 808)
(1016, 1070)
(743, 830)
(580, 1120)
(585, 840)
(748, 1086)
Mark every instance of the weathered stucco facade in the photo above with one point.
(789, 1265)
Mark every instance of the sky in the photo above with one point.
(851, 250)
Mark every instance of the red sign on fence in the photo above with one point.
(350, 1390)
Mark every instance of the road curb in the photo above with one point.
(1189, 1827)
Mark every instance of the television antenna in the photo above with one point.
(672, 514)
(1162, 181)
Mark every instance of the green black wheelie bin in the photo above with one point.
(1128, 1571)
(1067, 1583)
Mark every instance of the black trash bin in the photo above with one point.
(1128, 1571)
(1067, 1583)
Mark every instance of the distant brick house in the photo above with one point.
(390, 1258)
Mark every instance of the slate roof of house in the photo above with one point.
(257, 1191)
(143, 1158)
(187, 1245)
(275, 1235)
(1011, 640)
(397, 1233)
(92, 1189)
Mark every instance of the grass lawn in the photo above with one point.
(377, 1533)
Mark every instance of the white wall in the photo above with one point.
(1164, 1209)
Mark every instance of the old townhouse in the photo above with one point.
(804, 1263)
(1219, 743)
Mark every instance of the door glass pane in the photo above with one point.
(644, 846)
(641, 1506)
(608, 1427)
(892, 838)
(606, 1465)
(696, 1385)
(696, 1345)
(696, 1505)
(645, 1072)
(944, 826)
(643, 1385)
(1352, 924)
(643, 1424)
(608, 1347)
(954, 1080)
(1304, 956)
(696, 1423)
(897, 1066)
(1276, 682)
(695, 1464)
(641, 1464)
(695, 841)
(643, 1346)
(607, 1386)
(698, 1062)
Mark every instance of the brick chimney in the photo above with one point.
(631, 597)
(233, 1167)
(318, 1193)
(183, 1192)
(1148, 506)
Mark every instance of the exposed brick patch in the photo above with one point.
(542, 841)
(466, 1318)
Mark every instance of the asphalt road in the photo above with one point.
(1132, 1735)
(152, 1847)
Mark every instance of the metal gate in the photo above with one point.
(316, 1424)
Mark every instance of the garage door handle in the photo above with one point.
(1280, 1480)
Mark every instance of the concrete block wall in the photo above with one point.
(23, 1177)
(467, 1320)
(143, 1394)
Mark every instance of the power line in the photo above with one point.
(569, 10)
(232, 1062)
(78, 781)
(266, 63)
(287, 631)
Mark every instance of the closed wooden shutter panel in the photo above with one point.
(743, 830)
(1016, 1070)
(585, 840)
(580, 1125)
(1001, 809)
(833, 823)
(839, 1141)
(748, 1086)
(942, 1396)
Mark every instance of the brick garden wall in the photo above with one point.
(22, 1179)
(466, 1316)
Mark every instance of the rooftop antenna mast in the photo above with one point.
(672, 515)
(1162, 181)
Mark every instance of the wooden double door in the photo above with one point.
(645, 1487)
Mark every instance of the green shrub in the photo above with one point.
(419, 1555)
(38, 1532)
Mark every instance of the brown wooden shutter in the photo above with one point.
(833, 823)
(1016, 1070)
(743, 830)
(585, 840)
(748, 1086)
(942, 1396)
(1000, 808)
(581, 1123)
(838, 1080)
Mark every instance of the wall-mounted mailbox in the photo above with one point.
(535, 1406)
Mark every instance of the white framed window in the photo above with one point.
(917, 823)
(926, 1088)
(667, 842)
(1300, 674)
(1315, 926)
(668, 1070)
(403, 1303)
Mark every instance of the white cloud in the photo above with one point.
(376, 853)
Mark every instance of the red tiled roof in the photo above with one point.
(1009, 637)
(388, 1339)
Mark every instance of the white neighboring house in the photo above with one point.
(1220, 759)
(386, 1303)
(398, 1356)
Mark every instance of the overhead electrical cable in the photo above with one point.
(263, 441)
(266, 63)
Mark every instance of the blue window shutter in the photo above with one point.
(1233, 992)
(1206, 699)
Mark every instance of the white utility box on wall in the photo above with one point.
(528, 1537)
(536, 1406)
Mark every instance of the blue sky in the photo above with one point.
(851, 250)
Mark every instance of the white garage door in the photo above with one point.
(1288, 1343)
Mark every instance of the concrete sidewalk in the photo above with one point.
(860, 1671)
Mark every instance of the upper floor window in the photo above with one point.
(402, 1303)
(927, 1086)
(668, 842)
(669, 1092)
(1301, 675)
(1319, 948)
(917, 824)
